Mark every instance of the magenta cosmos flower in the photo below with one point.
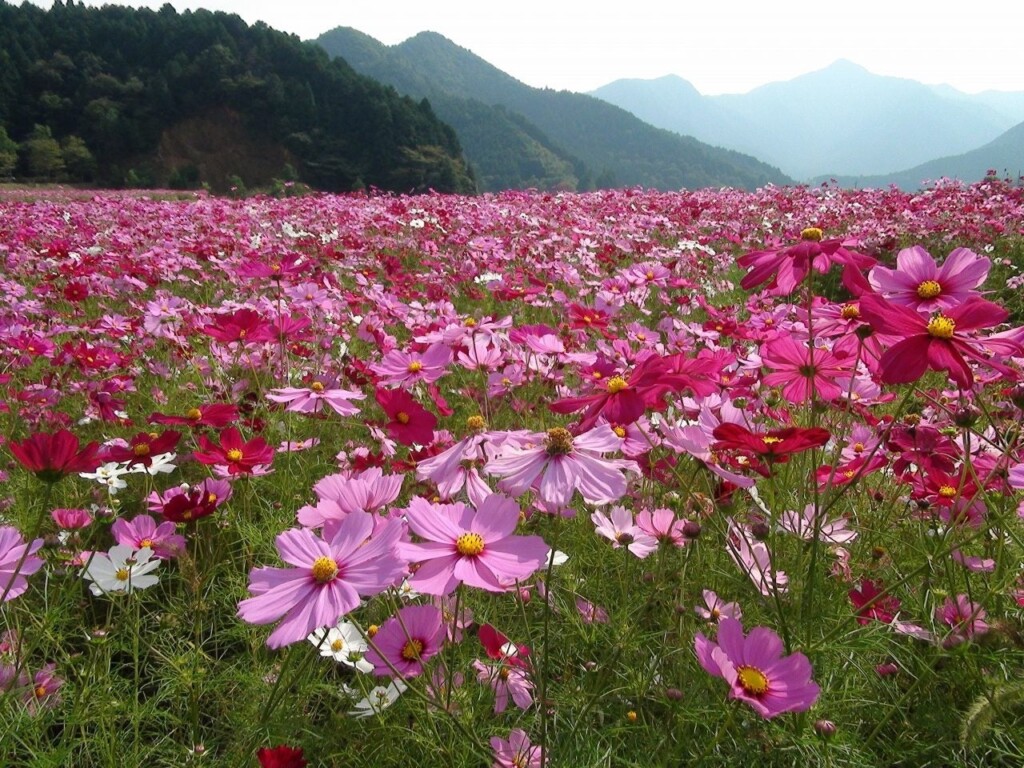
(472, 547)
(326, 578)
(405, 641)
(918, 283)
(756, 670)
(240, 457)
(941, 343)
(561, 463)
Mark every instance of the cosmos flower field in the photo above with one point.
(620, 478)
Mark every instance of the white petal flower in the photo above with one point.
(123, 569)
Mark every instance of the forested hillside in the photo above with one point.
(118, 96)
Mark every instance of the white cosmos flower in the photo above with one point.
(162, 463)
(123, 569)
(377, 700)
(344, 644)
(108, 474)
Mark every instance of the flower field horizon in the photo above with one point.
(527, 479)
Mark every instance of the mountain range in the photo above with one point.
(843, 122)
(515, 136)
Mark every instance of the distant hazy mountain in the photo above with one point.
(1004, 155)
(615, 147)
(505, 150)
(841, 119)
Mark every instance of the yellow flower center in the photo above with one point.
(234, 455)
(415, 366)
(243, 333)
(146, 543)
(475, 423)
(941, 327)
(620, 431)
(40, 691)
(211, 498)
(947, 491)
(849, 312)
(324, 569)
(752, 680)
(616, 384)
(559, 441)
(929, 289)
(858, 447)
(317, 386)
(142, 449)
(122, 574)
(402, 417)
(649, 275)
(811, 233)
(771, 440)
(194, 414)
(337, 645)
(372, 630)
(470, 322)
(469, 544)
(412, 650)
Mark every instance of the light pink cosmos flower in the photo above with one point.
(507, 681)
(753, 558)
(756, 670)
(142, 531)
(17, 561)
(405, 641)
(917, 282)
(43, 693)
(516, 751)
(623, 532)
(326, 579)
(370, 491)
(473, 547)
(313, 398)
(715, 609)
(561, 463)
(591, 613)
(458, 466)
(663, 525)
(403, 369)
(830, 531)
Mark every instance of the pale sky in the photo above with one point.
(721, 46)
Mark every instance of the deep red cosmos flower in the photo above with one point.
(408, 421)
(52, 456)
(774, 447)
(143, 447)
(281, 757)
(216, 415)
(941, 343)
(872, 603)
(245, 325)
(238, 456)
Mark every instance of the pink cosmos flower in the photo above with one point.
(942, 343)
(406, 641)
(965, 618)
(591, 613)
(403, 369)
(918, 283)
(622, 532)
(370, 491)
(44, 690)
(313, 398)
(326, 579)
(756, 670)
(753, 558)
(71, 519)
(17, 561)
(716, 609)
(785, 268)
(516, 751)
(474, 547)
(663, 525)
(244, 325)
(142, 531)
(507, 682)
(561, 463)
(802, 524)
(800, 371)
